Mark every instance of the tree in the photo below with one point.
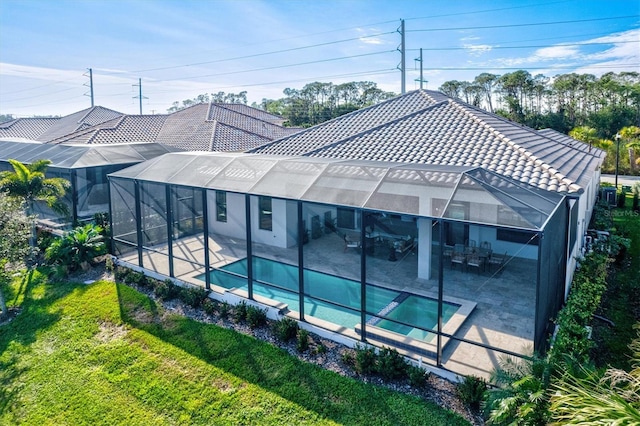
(521, 397)
(585, 134)
(29, 183)
(15, 229)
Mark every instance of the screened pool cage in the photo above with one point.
(453, 265)
(85, 166)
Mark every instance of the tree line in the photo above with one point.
(607, 103)
(313, 104)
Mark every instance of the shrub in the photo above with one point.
(193, 296)
(209, 306)
(472, 391)
(365, 360)
(417, 376)
(622, 197)
(321, 349)
(138, 278)
(285, 329)
(390, 364)
(347, 358)
(224, 309)
(256, 317)
(76, 248)
(166, 290)
(240, 312)
(302, 343)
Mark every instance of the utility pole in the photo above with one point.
(422, 80)
(90, 85)
(402, 59)
(139, 93)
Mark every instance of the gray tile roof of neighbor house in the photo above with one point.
(28, 128)
(78, 121)
(215, 127)
(123, 129)
(427, 127)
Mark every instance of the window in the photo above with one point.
(221, 206)
(346, 218)
(264, 205)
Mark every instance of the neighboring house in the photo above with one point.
(221, 127)
(46, 129)
(421, 223)
(84, 166)
(202, 127)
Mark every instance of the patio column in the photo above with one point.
(424, 247)
(440, 289)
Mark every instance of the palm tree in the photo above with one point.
(585, 134)
(588, 397)
(29, 183)
(521, 396)
(631, 135)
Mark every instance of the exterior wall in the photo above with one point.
(277, 237)
(235, 226)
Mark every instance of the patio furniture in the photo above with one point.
(498, 260)
(458, 258)
(475, 261)
(351, 243)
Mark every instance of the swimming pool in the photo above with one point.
(279, 281)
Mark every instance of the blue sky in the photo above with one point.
(180, 49)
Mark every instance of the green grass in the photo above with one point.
(106, 354)
(621, 301)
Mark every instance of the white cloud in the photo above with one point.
(478, 49)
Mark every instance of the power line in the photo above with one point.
(530, 46)
(264, 53)
(282, 66)
(523, 25)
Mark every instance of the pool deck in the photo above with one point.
(498, 307)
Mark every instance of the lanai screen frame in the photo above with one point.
(67, 160)
(249, 175)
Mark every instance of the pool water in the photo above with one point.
(279, 281)
(421, 313)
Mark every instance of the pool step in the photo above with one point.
(390, 307)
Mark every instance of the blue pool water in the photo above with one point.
(279, 281)
(420, 312)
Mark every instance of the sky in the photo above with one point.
(178, 49)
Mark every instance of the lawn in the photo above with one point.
(105, 354)
(621, 301)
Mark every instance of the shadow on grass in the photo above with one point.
(34, 297)
(330, 395)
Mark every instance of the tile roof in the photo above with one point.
(78, 121)
(124, 129)
(215, 127)
(427, 127)
(255, 113)
(28, 128)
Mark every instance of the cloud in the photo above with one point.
(478, 49)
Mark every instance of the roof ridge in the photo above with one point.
(80, 132)
(375, 128)
(553, 172)
(221, 105)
